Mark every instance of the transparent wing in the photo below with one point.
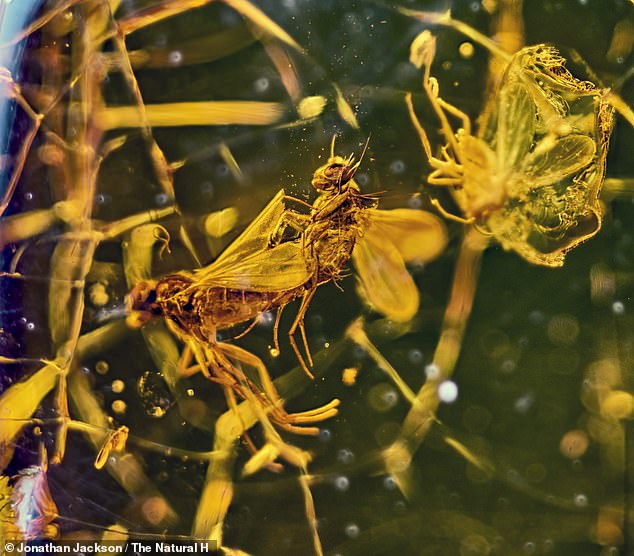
(387, 285)
(516, 125)
(249, 263)
(255, 237)
(272, 269)
(555, 158)
(418, 236)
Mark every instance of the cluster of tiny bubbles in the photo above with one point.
(524, 402)
(261, 85)
(397, 167)
(382, 397)
(352, 530)
(175, 57)
(448, 391)
(154, 394)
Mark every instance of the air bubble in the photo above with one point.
(397, 167)
(389, 483)
(448, 391)
(415, 356)
(342, 483)
(102, 367)
(382, 397)
(161, 199)
(117, 386)
(154, 394)
(352, 530)
(175, 57)
(325, 435)
(119, 406)
(345, 456)
(261, 85)
(432, 371)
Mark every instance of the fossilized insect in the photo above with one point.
(531, 177)
(266, 269)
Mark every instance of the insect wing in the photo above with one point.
(554, 159)
(249, 263)
(278, 269)
(516, 125)
(387, 285)
(418, 236)
(255, 237)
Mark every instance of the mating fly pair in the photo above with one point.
(285, 254)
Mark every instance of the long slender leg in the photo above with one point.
(243, 356)
(299, 322)
(276, 328)
(450, 216)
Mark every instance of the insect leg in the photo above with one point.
(454, 111)
(276, 328)
(243, 356)
(299, 322)
(450, 216)
(434, 162)
(184, 367)
(247, 330)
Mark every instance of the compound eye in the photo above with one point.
(333, 171)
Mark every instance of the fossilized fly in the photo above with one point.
(531, 177)
(267, 267)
